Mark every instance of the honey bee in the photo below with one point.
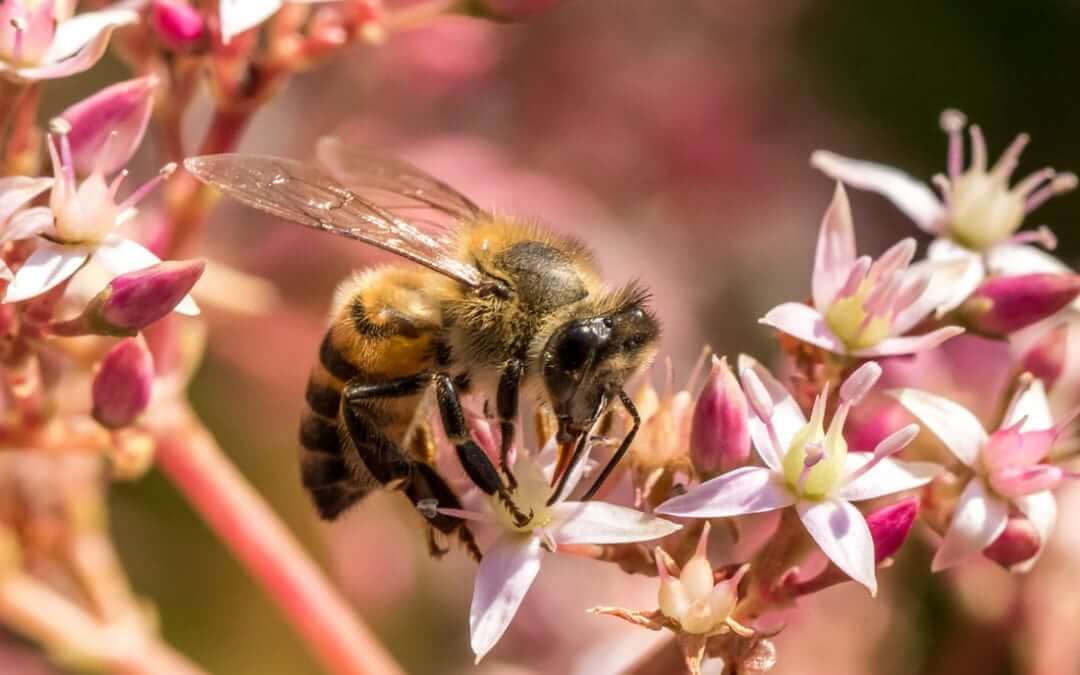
(493, 303)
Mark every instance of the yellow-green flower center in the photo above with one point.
(819, 480)
(847, 317)
(531, 494)
(982, 210)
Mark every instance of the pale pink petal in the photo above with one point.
(506, 573)
(911, 196)
(835, 250)
(750, 489)
(787, 418)
(843, 536)
(79, 31)
(952, 281)
(1016, 259)
(81, 60)
(805, 323)
(15, 191)
(980, 518)
(602, 523)
(954, 424)
(885, 478)
(238, 16)
(27, 223)
(5, 272)
(910, 344)
(106, 128)
(1031, 405)
(187, 306)
(49, 265)
(1041, 509)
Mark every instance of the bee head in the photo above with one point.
(588, 359)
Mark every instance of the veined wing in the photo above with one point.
(309, 195)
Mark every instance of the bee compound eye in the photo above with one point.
(575, 345)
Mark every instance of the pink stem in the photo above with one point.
(193, 461)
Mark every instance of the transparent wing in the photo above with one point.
(309, 195)
(394, 184)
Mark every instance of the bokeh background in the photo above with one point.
(674, 138)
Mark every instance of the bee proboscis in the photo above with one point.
(493, 301)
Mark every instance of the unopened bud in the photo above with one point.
(177, 24)
(122, 385)
(135, 300)
(890, 525)
(1004, 305)
(1018, 543)
(859, 383)
(1046, 358)
(105, 129)
(719, 428)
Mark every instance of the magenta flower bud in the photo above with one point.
(1046, 358)
(107, 127)
(1019, 542)
(122, 385)
(1004, 305)
(135, 300)
(890, 525)
(719, 428)
(178, 24)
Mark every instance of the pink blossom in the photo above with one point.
(809, 467)
(861, 307)
(107, 128)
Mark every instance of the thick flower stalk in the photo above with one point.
(512, 562)
(977, 218)
(808, 467)
(862, 308)
(1008, 471)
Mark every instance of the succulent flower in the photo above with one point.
(178, 24)
(512, 561)
(1008, 468)
(862, 307)
(978, 215)
(40, 40)
(808, 466)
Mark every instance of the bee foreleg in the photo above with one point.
(623, 447)
(506, 406)
(474, 460)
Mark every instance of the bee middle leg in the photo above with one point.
(478, 466)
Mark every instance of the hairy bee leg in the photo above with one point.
(429, 485)
(387, 462)
(628, 403)
(506, 405)
(474, 460)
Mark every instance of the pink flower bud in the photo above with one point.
(177, 24)
(1019, 542)
(890, 525)
(1004, 305)
(134, 300)
(107, 127)
(122, 385)
(1046, 358)
(719, 431)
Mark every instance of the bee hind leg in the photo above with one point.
(478, 466)
(429, 485)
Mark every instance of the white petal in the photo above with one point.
(1016, 259)
(951, 422)
(47, 267)
(507, 571)
(27, 223)
(979, 519)
(187, 306)
(787, 416)
(238, 16)
(910, 344)
(843, 535)
(1041, 509)
(602, 523)
(835, 250)
(1031, 403)
(805, 323)
(911, 196)
(121, 256)
(887, 477)
(749, 489)
(77, 32)
(18, 190)
(952, 281)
